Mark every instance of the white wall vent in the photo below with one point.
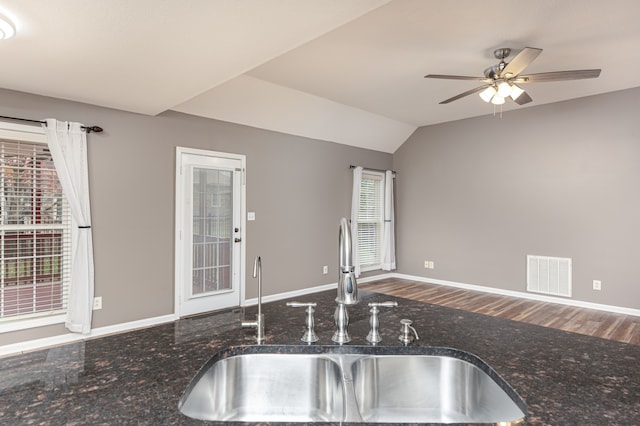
(549, 275)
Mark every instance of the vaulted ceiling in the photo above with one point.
(344, 71)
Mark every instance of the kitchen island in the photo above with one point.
(139, 376)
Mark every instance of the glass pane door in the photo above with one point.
(212, 230)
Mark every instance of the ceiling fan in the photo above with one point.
(502, 80)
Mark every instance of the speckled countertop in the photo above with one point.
(138, 377)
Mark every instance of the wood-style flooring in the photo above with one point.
(612, 326)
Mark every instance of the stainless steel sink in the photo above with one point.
(350, 384)
(431, 389)
(267, 387)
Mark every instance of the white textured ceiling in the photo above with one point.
(344, 71)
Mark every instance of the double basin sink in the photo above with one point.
(350, 384)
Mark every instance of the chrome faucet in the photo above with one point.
(259, 322)
(347, 285)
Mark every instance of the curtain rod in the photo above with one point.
(88, 129)
(351, 166)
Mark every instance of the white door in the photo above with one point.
(209, 238)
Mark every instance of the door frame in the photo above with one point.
(178, 253)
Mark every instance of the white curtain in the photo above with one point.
(68, 145)
(388, 233)
(355, 211)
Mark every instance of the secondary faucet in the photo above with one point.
(259, 322)
(347, 284)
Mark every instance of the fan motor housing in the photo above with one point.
(502, 53)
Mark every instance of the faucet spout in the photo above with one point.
(347, 284)
(258, 324)
(257, 272)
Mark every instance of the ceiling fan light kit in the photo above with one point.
(497, 95)
(500, 80)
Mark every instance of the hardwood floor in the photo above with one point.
(618, 327)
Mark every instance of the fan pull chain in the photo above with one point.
(494, 110)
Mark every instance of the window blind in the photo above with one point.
(370, 220)
(35, 232)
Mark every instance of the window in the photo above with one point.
(370, 220)
(35, 231)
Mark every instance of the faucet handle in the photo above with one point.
(309, 335)
(374, 335)
(408, 332)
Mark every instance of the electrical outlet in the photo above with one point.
(97, 303)
(428, 264)
(431, 265)
(597, 285)
(325, 269)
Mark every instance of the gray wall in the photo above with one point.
(476, 196)
(298, 187)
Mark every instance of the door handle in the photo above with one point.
(237, 240)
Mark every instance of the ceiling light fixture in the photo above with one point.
(497, 94)
(7, 29)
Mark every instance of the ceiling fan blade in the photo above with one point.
(457, 77)
(520, 62)
(558, 76)
(462, 95)
(524, 98)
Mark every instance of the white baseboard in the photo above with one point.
(47, 342)
(32, 345)
(310, 290)
(289, 294)
(376, 277)
(523, 295)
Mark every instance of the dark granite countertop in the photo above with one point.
(139, 376)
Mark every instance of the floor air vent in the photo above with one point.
(549, 275)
